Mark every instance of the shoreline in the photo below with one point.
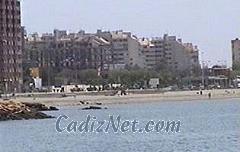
(77, 100)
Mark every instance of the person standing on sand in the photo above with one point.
(209, 95)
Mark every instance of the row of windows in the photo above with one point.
(7, 12)
(10, 18)
(11, 65)
(154, 55)
(14, 28)
(12, 42)
(150, 60)
(14, 54)
(10, 22)
(9, 2)
(11, 61)
(13, 77)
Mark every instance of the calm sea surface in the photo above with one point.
(207, 126)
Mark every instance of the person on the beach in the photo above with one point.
(209, 95)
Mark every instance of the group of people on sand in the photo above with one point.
(209, 94)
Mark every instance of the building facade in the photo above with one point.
(61, 52)
(153, 52)
(236, 52)
(126, 49)
(170, 53)
(109, 50)
(90, 52)
(10, 46)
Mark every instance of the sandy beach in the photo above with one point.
(75, 100)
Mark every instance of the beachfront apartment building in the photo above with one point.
(235, 52)
(71, 52)
(10, 46)
(109, 50)
(126, 49)
(153, 52)
(171, 54)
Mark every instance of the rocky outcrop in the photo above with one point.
(93, 108)
(39, 107)
(20, 111)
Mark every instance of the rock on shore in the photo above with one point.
(93, 108)
(21, 111)
(39, 107)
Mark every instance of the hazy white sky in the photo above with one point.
(210, 24)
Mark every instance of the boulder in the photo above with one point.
(40, 107)
(93, 108)
(19, 111)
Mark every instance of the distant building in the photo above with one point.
(58, 34)
(108, 50)
(170, 53)
(218, 76)
(10, 45)
(153, 52)
(61, 51)
(125, 48)
(236, 51)
(154, 83)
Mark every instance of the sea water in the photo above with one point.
(206, 126)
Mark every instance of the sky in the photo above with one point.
(210, 24)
